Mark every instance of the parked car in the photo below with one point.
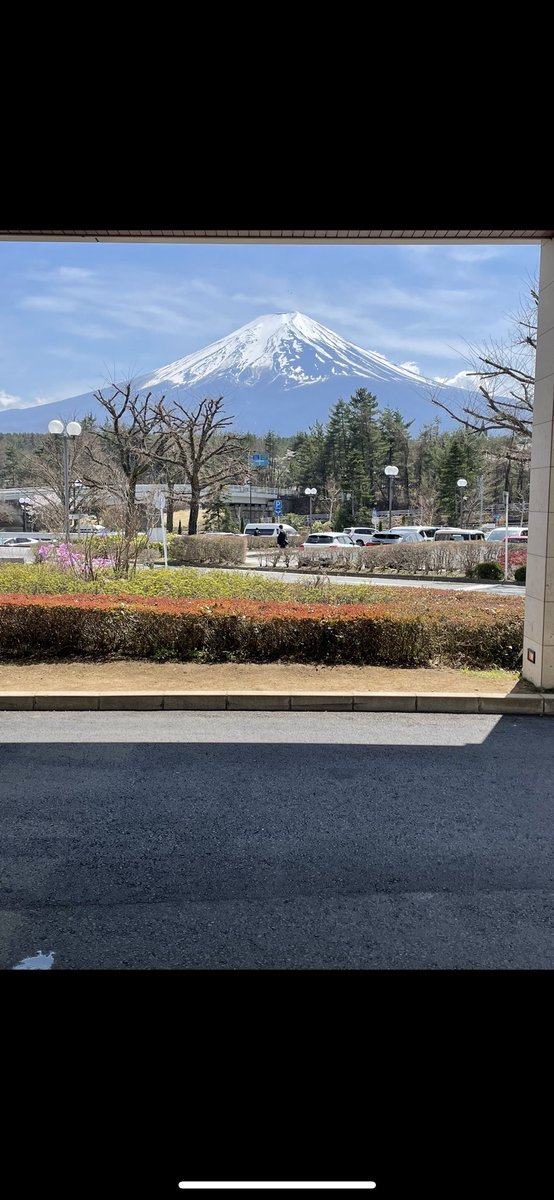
(515, 540)
(391, 537)
(86, 530)
(327, 539)
(450, 534)
(21, 541)
(267, 529)
(499, 534)
(360, 534)
(427, 531)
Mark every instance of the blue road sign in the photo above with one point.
(259, 460)
(277, 506)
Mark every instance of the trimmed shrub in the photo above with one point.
(454, 630)
(208, 551)
(408, 558)
(268, 543)
(489, 570)
(520, 574)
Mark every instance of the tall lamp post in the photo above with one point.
(71, 429)
(392, 472)
(462, 483)
(26, 506)
(310, 493)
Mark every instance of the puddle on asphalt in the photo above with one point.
(37, 962)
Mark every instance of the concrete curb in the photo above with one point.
(421, 702)
(354, 575)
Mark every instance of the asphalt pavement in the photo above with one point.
(449, 585)
(276, 841)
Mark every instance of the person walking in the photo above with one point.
(282, 540)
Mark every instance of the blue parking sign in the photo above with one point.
(277, 506)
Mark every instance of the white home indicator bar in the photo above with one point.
(235, 1186)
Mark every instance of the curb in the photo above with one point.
(421, 702)
(354, 575)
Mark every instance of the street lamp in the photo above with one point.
(72, 429)
(310, 493)
(462, 483)
(392, 472)
(25, 504)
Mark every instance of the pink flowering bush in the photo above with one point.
(69, 559)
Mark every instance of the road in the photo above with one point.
(502, 589)
(498, 589)
(276, 840)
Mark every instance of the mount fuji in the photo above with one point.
(282, 371)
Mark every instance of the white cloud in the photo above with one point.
(88, 329)
(477, 254)
(461, 380)
(411, 366)
(7, 401)
(49, 303)
(73, 274)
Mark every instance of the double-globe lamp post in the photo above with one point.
(310, 493)
(71, 429)
(461, 483)
(392, 472)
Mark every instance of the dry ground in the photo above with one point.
(279, 677)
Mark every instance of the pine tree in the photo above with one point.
(270, 447)
(395, 450)
(218, 517)
(461, 458)
(339, 444)
(366, 437)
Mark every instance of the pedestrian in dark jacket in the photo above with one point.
(282, 540)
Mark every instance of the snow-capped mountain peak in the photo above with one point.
(290, 349)
(282, 371)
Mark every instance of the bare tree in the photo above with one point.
(208, 454)
(505, 379)
(134, 437)
(427, 501)
(333, 497)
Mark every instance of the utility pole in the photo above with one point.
(481, 494)
(506, 543)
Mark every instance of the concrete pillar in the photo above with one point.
(538, 644)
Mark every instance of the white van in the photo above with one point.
(450, 534)
(427, 531)
(268, 529)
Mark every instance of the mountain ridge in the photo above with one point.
(281, 371)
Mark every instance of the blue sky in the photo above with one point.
(74, 316)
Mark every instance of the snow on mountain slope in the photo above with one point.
(282, 371)
(288, 348)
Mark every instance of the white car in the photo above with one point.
(361, 534)
(392, 537)
(268, 529)
(21, 541)
(427, 531)
(327, 539)
(499, 535)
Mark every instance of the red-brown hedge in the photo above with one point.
(456, 628)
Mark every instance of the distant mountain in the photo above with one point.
(282, 371)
